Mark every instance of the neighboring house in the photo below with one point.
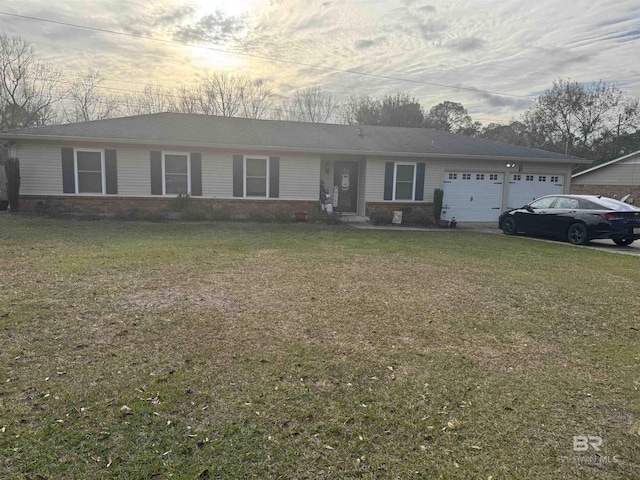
(616, 178)
(246, 165)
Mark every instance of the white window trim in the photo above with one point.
(395, 174)
(102, 168)
(244, 175)
(164, 178)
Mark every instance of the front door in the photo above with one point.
(345, 177)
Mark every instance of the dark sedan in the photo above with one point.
(575, 218)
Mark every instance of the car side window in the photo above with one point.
(587, 205)
(566, 203)
(545, 202)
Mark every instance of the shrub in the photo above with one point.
(438, 195)
(181, 203)
(12, 171)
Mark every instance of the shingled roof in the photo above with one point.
(187, 130)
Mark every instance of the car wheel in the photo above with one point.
(577, 234)
(623, 242)
(509, 226)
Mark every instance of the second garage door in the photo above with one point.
(523, 188)
(472, 196)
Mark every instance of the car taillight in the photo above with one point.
(611, 216)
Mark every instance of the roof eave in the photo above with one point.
(280, 148)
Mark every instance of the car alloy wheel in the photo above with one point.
(622, 242)
(509, 226)
(577, 234)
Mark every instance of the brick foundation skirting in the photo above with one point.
(613, 191)
(112, 204)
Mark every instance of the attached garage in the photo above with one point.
(472, 196)
(523, 188)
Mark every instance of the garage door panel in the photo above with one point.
(524, 188)
(472, 196)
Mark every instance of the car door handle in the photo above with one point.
(572, 211)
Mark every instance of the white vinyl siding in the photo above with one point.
(134, 174)
(299, 177)
(362, 187)
(217, 175)
(622, 173)
(40, 169)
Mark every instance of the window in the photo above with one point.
(466, 176)
(176, 168)
(89, 166)
(529, 178)
(256, 177)
(517, 177)
(405, 180)
(479, 176)
(554, 179)
(544, 202)
(493, 176)
(453, 176)
(542, 178)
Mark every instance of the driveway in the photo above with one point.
(608, 245)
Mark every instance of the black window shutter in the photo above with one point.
(238, 176)
(68, 171)
(274, 177)
(111, 171)
(419, 196)
(196, 174)
(388, 181)
(156, 173)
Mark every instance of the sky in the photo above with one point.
(493, 56)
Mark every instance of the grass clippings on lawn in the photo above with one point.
(241, 350)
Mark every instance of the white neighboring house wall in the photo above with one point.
(623, 172)
(41, 171)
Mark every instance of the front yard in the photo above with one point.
(142, 350)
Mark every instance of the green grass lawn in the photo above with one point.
(141, 350)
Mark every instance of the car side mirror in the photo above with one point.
(528, 208)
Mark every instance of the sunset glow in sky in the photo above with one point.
(507, 50)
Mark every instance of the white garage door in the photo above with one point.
(472, 196)
(525, 187)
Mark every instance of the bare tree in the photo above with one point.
(185, 100)
(581, 119)
(257, 99)
(309, 105)
(87, 101)
(28, 88)
(153, 99)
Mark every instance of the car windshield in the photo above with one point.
(612, 204)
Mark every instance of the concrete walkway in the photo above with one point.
(474, 227)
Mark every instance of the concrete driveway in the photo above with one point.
(608, 245)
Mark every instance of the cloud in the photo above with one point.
(216, 27)
(503, 101)
(466, 44)
(432, 30)
(426, 9)
(369, 43)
